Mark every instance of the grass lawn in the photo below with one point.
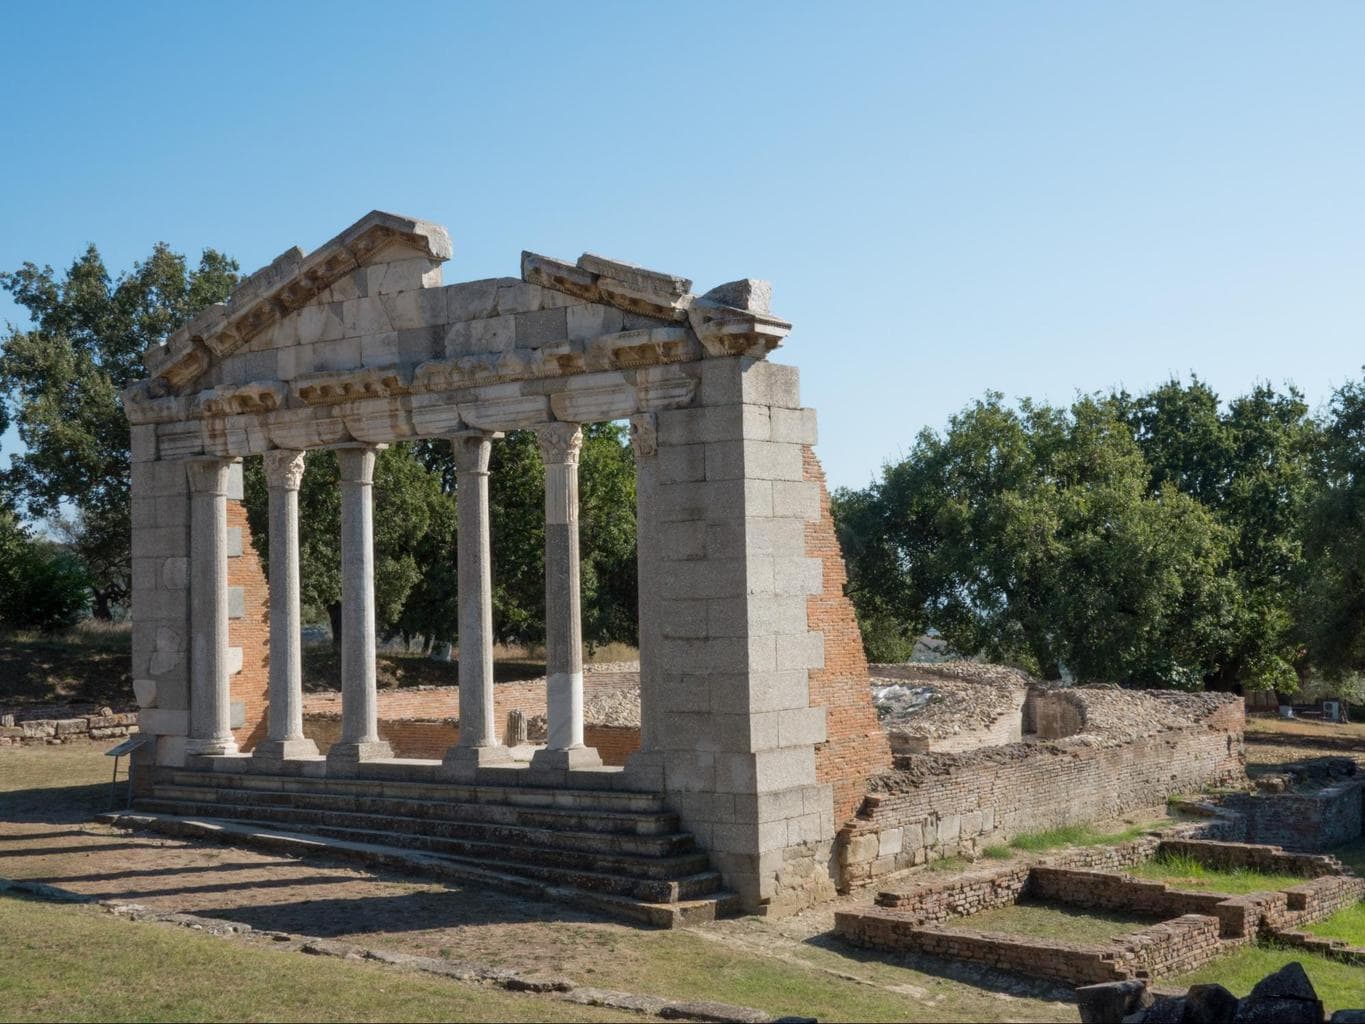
(1340, 986)
(77, 963)
(1184, 872)
(1348, 924)
(1072, 835)
(1053, 921)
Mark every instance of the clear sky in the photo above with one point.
(1039, 198)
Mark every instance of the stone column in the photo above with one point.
(283, 473)
(646, 764)
(359, 706)
(210, 698)
(478, 744)
(559, 447)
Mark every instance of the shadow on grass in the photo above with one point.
(62, 805)
(408, 912)
(977, 975)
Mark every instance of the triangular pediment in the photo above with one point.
(367, 315)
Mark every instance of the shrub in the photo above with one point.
(42, 586)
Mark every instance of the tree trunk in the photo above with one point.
(101, 610)
(334, 614)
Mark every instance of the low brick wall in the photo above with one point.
(41, 731)
(988, 889)
(1169, 947)
(1240, 917)
(1302, 820)
(947, 804)
(1253, 856)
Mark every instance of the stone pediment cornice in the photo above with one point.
(290, 281)
(665, 324)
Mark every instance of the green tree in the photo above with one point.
(42, 585)
(1029, 536)
(1250, 465)
(61, 380)
(516, 499)
(1332, 604)
(414, 528)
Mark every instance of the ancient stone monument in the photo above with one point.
(359, 344)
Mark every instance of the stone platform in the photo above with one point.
(617, 851)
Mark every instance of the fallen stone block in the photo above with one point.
(1111, 1001)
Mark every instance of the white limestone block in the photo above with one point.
(235, 490)
(379, 349)
(496, 334)
(145, 692)
(590, 320)
(236, 602)
(163, 721)
(234, 660)
(234, 541)
(473, 300)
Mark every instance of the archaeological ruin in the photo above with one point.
(753, 772)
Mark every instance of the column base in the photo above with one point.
(279, 750)
(563, 760)
(461, 764)
(347, 757)
(210, 748)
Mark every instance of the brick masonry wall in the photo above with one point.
(1169, 947)
(951, 804)
(1302, 821)
(250, 632)
(855, 747)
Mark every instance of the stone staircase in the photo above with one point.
(616, 852)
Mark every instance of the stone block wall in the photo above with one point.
(856, 746)
(948, 804)
(17, 731)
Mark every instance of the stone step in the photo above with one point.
(534, 848)
(391, 818)
(659, 914)
(624, 801)
(641, 823)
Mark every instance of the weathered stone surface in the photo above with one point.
(1111, 1001)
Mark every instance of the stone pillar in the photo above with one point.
(646, 764)
(559, 447)
(210, 699)
(359, 706)
(478, 744)
(284, 733)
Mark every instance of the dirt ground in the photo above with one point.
(49, 794)
(1271, 740)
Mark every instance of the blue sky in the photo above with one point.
(1039, 198)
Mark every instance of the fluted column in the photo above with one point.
(284, 732)
(478, 744)
(359, 705)
(210, 698)
(559, 447)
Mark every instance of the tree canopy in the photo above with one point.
(1162, 539)
(61, 381)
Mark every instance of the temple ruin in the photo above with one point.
(759, 776)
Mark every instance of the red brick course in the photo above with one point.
(856, 747)
(251, 633)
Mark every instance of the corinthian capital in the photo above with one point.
(560, 443)
(283, 468)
